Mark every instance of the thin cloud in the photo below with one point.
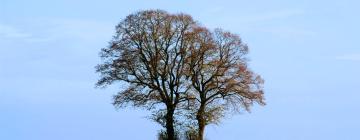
(275, 15)
(49, 29)
(7, 31)
(289, 32)
(81, 29)
(349, 57)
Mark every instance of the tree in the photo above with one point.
(187, 75)
(221, 80)
(148, 53)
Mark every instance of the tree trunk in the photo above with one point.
(170, 124)
(200, 116)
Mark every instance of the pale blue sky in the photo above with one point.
(308, 52)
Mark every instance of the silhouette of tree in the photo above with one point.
(187, 75)
(148, 53)
(221, 80)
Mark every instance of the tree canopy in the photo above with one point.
(178, 69)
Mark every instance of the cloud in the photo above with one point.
(349, 57)
(289, 32)
(52, 29)
(275, 23)
(274, 15)
(7, 31)
(11, 33)
(80, 29)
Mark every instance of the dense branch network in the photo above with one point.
(173, 65)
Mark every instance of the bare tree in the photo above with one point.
(221, 80)
(148, 53)
(181, 71)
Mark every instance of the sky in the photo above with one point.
(308, 52)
